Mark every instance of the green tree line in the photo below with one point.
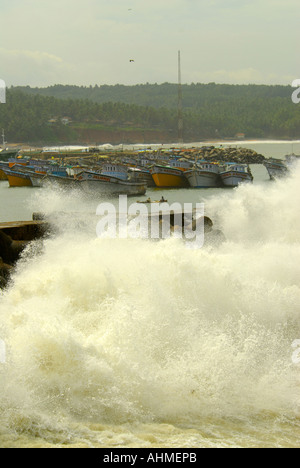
(209, 110)
(163, 95)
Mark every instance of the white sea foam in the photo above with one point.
(116, 331)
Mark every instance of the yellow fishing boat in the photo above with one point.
(3, 165)
(2, 175)
(18, 179)
(165, 176)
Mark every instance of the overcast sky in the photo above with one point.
(83, 42)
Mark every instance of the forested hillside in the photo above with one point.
(163, 95)
(61, 113)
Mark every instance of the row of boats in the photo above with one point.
(123, 178)
(202, 175)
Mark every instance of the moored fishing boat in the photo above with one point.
(182, 164)
(126, 172)
(235, 174)
(110, 185)
(141, 175)
(204, 175)
(3, 165)
(65, 181)
(276, 168)
(42, 180)
(20, 174)
(12, 162)
(3, 176)
(115, 170)
(8, 153)
(18, 179)
(37, 180)
(165, 176)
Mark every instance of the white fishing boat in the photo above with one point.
(141, 175)
(37, 180)
(115, 170)
(234, 174)
(110, 185)
(127, 172)
(42, 180)
(276, 168)
(182, 164)
(204, 175)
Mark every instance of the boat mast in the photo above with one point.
(3, 139)
(180, 118)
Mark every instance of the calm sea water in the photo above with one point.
(130, 343)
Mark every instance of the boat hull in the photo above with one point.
(168, 180)
(233, 179)
(276, 171)
(36, 182)
(18, 180)
(3, 176)
(128, 173)
(203, 179)
(144, 177)
(65, 181)
(110, 185)
(165, 177)
(7, 154)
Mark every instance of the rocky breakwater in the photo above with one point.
(226, 155)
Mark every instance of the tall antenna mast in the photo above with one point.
(180, 119)
(3, 139)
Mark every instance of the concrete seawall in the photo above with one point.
(24, 230)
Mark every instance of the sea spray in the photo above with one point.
(260, 213)
(119, 331)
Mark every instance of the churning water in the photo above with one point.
(134, 343)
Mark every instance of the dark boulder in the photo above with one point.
(5, 272)
(6, 250)
(10, 249)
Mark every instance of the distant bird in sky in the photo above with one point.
(131, 60)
